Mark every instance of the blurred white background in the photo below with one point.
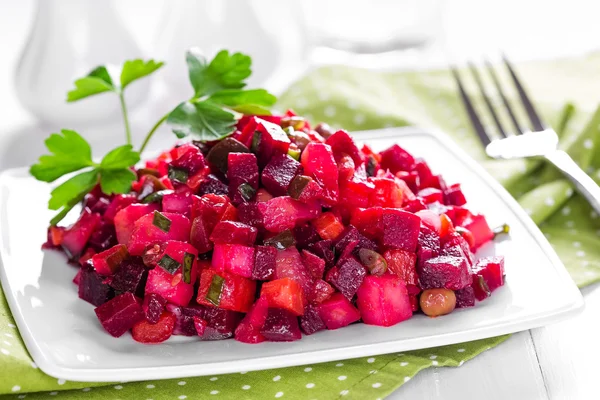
(277, 33)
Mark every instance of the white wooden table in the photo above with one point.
(555, 362)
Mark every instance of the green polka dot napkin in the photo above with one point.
(359, 100)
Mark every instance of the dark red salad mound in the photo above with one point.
(276, 230)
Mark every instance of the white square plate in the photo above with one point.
(66, 341)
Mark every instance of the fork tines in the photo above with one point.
(479, 127)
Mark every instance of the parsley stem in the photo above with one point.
(154, 128)
(125, 117)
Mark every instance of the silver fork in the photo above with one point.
(541, 141)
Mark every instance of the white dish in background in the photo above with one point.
(66, 341)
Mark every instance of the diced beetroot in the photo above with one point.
(146, 233)
(126, 218)
(400, 229)
(324, 249)
(130, 277)
(383, 300)
(220, 323)
(304, 189)
(77, 277)
(184, 318)
(457, 246)
(284, 293)
(200, 325)
(233, 258)
(93, 288)
(387, 193)
(341, 143)
(346, 167)
(248, 331)
(104, 237)
(75, 237)
(119, 314)
(172, 285)
(231, 232)
(212, 184)
(431, 219)
(118, 203)
(348, 277)
(414, 205)
(251, 214)
(189, 159)
(264, 263)
(429, 244)
(403, 264)
(355, 193)
(242, 173)
(305, 234)
(465, 297)
(321, 291)
(314, 263)
(455, 196)
(109, 261)
(478, 226)
(87, 255)
(445, 272)
(211, 207)
(278, 174)
(270, 140)
(491, 269)
(431, 195)
(180, 203)
(318, 162)
(311, 322)
(338, 312)
(283, 213)
(352, 235)
(288, 264)
(146, 332)
(424, 173)
(226, 291)
(199, 235)
(153, 307)
(328, 225)
(396, 159)
(438, 182)
(369, 221)
(281, 326)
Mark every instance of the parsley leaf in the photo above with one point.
(225, 71)
(70, 153)
(74, 187)
(257, 101)
(115, 181)
(136, 69)
(202, 119)
(119, 158)
(101, 80)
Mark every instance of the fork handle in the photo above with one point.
(582, 181)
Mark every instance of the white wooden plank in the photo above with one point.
(508, 371)
(569, 352)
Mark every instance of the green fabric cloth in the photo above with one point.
(359, 100)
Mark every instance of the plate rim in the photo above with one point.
(311, 357)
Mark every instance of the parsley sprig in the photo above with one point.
(211, 114)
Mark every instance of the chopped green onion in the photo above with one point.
(156, 197)
(178, 174)
(503, 229)
(161, 222)
(188, 262)
(215, 289)
(298, 123)
(373, 261)
(255, 142)
(247, 191)
(169, 264)
(371, 164)
(297, 185)
(116, 258)
(289, 131)
(294, 153)
(282, 240)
